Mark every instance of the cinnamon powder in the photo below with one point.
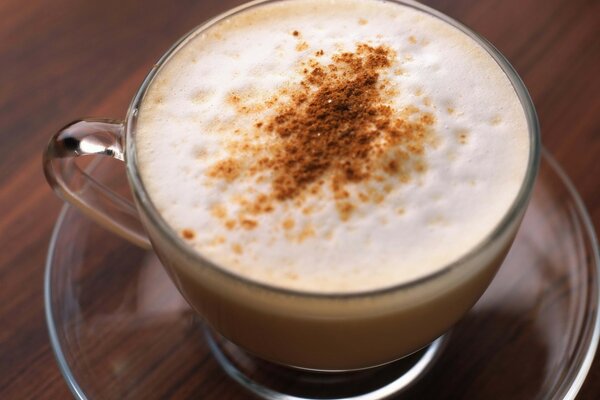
(337, 127)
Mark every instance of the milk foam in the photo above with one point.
(207, 100)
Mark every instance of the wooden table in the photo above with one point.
(65, 59)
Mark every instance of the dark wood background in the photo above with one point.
(65, 59)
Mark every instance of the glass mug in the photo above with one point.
(323, 332)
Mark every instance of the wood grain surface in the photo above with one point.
(66, 59)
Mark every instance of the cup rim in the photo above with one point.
(166, 231)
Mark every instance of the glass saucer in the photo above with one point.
(120, 329)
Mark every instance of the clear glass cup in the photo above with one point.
(319, 332)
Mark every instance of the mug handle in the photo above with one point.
(92, 137)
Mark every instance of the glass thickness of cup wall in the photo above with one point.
(330, 331)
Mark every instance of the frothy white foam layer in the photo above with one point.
(206, 102)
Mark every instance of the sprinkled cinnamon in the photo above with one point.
(249, 223)
(228, 169)
(337, 127)
(188, 234)
(338, 124)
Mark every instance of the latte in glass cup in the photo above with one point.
(342, 168)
